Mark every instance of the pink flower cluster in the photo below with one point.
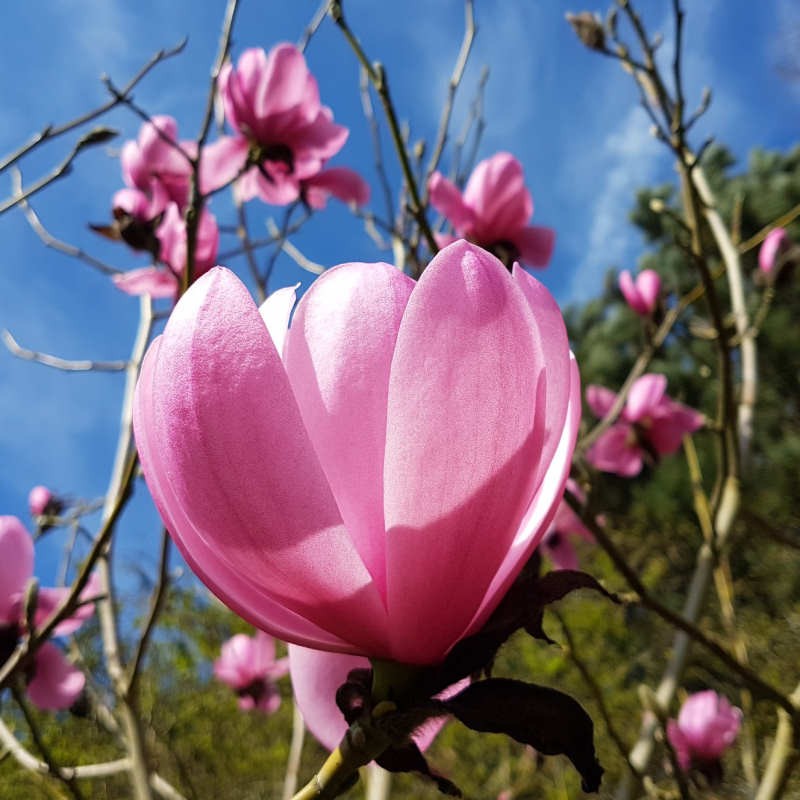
(338, 490)
(493, 212)
(248, 665)
(52, 682)
(651, 425)
(706, 727)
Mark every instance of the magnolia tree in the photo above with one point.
(392, 481)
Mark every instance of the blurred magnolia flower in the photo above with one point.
(272, 102)
(52, 682)
(336, 489)
(316, 675)
(566, 524)
(706, 727)
(774, 243)
(248, 665)
(42, 502)
(651, 425)
(493, 212)
(642, 294)
(171, 233)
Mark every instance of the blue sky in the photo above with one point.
(571, 117)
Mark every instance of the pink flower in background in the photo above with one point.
(642, 294)
(42, 502)
(53, 683)
(272, 102)
(340, 182)
(340, 497)
(566, 524)
(171, 233)
(494, 211)
(248, 665)
(651, 425)
(154, 170)
(316, 675)
(774, 243)
(706, 727)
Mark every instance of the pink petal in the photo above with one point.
(276, 311)
(16, 566)
(222, 162)
(648, 283)
(280, 191)
(671, 421)
(535, 244)
(456, 486)
(560, 550)
(344, 184)
(770, 247)
(338, 356)
(631, 293)
(497, 195)
(614, 452)
(56, 684)
(158, 283)
(679, 744)
(236, 664)
(49, 599)
(218, 430)
(644, 396)
(599, 399)
(39, 499)
(446, 198)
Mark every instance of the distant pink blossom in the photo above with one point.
(53, 683)
(651, 425)
(42, 501)
(641, 294)
(340, 182)
(335, 489)
(272, 102)
(493, 212)
(772, 246)
(565, 526)
(706, 727)
(316, 675)
(248, 665)
(154, 170)
(159, 282)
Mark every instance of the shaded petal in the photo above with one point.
(276, 311)
(222, 162)
(446, 198)
(48, 599)
(669, 424)
(679, 744)
(158, 283)
(230, 438)
(463, 443)
(56, 684)
(644, 396)
(599, 399)
(535, 244)
(614, 452)
(16, 565)
(338, 356)
(559, 548)
(343, 183)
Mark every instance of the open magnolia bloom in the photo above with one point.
(378, 489)
(641, 293)
(52, 682)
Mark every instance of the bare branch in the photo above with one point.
(59, 363)
(291, 251)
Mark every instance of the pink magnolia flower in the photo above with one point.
(341, 497)
(340, 182)
(706, 727)
(154, 170)
(774, 243)
(651, 425)
(566, 524)
(52, 683)
(641, 295)
(494, 211)
(171, 233)
(316, 675)
(272, 102)
(42, 502)
(248, 665)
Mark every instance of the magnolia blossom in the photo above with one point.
(642, 294)
(282, 129)
(375, 482)
(171, 233)
(248, 665)
(52, 682)
(651, 425)
(42, 502)
(566, 524)
(316, 675)
(772, 246)
(155, 170)
(493, 212)
(706, 727)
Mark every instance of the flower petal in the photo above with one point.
(343, 183)
(56, 684)
(446, 198)
(613, 452)
(222, 162)
(276, 311)
(16, 565)
(535, 244)
(158, 283)
(599, 399)
(644, 396)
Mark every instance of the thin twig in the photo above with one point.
(301, 260)
(313, 25)
(66, 365)
(295, 755)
